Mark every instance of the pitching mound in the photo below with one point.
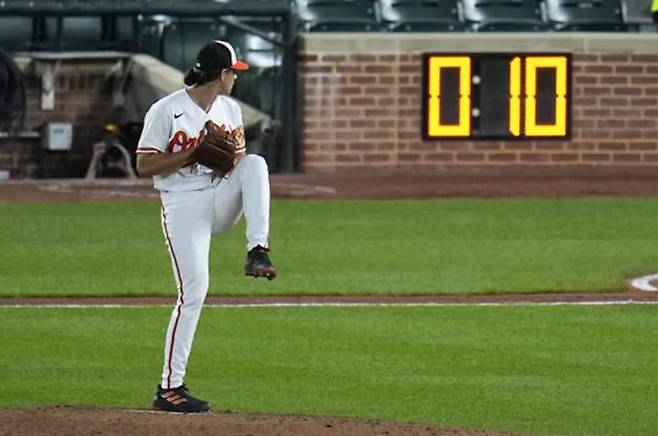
(72, 421)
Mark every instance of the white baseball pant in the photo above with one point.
(189, 219)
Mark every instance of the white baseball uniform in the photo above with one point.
(195, 206)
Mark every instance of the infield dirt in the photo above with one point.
(352, 186)
(73, 421)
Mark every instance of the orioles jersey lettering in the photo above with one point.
(166, 132)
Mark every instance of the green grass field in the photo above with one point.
(559, 370)
(540, 370)
(342, 247)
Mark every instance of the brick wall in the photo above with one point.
(20, 156)
(362, 109)
(82, 97)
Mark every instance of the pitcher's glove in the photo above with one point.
(216, 150)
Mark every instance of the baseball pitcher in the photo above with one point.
(193, 145)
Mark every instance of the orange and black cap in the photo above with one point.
(219, 55)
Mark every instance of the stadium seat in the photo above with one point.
(256, 86)
(16, 32)
(82, 33)
(73, 32)
(261, 54)
(585, 15)
(638, 15)
(503, 15)
(268, 80)
(337, 15)
(122, 32)
(46, 32)
(420, 15)
(150, 29)
(182, 40)
(256, 51)
(246, 88)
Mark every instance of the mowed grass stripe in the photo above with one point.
(341, 247)
(539, 370)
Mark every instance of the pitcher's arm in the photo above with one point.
(152, 164)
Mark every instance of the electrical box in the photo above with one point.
(58, 136)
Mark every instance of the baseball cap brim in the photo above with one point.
(240, 66)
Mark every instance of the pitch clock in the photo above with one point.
(505, 96)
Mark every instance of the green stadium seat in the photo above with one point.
(47, 32)
(73, 32)
(182, 40)
(585, 15)
(337, 15)
(256, 51)
(122, 32)
(259, 88)
(246, 88)
(503, 15)
(16, 33)
(420, 15)
(268, 79)
(149, 30)
(82, 33)
(637, 15)
(256, 86)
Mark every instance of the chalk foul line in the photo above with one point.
(345, 304)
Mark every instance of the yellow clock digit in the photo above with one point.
(515, 97)
(559, 127)
(435, 125)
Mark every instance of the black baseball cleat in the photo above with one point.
(178, 400)
(258, 263)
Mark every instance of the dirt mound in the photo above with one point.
(73, 421)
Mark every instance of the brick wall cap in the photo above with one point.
(575, 42)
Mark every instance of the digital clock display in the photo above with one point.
(496, 96)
